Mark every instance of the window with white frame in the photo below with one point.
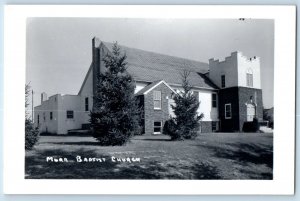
(228, 111)
(249, 77)
(157, 99)
(214, 100)
(157, 127)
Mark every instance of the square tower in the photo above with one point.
(240, 94)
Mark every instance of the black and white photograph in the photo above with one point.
(149, 98)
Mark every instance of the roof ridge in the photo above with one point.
(157, 53)
(152, 67)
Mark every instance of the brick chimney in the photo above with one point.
(43, 97)
(95, 61)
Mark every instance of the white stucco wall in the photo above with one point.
(58, 105)
(205, 107)
(65, 103)
(47, 106)
(210, 113)
(245, 65)
(228, 67)
(235, 68)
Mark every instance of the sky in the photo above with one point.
(59, 50)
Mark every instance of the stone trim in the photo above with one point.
(162, 81)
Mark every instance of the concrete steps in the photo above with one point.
(265, 129)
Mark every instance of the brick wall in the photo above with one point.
(140, 100)
(229, 95)
(96, 68)
(206, 127)
(238, 97)
(152, 115)
(244, 97)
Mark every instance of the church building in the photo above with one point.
(229, 91)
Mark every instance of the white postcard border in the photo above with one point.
(284, 102)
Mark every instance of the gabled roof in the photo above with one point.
(85, 79)
(151, 86)
(149, 67)
(207, 80)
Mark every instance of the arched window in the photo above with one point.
(250, 111)
(249, 77)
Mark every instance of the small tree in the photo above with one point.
(115, 114)
(185, 124)
(31, 133)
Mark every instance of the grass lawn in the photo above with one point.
(210, 156)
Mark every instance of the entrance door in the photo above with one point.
(250, 112)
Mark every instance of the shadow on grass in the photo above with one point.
(156, 170)
(96, 143)
(253, 174)
(153, 139)
(248, 153)
(245, 154)
(65, 135)
(206, 171)
(36, 167)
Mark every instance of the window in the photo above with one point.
(228, 111)
(214, 100)
(214, 126)
(86, 104)
(157, 99)
(44, 116)
(223, 81)
(38, 119)
(70, 114)
(249, 80)
(157, 127)
(51, 115)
